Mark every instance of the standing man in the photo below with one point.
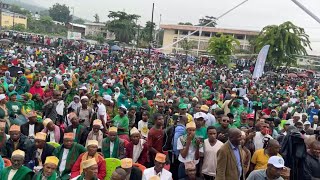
(210, 149)
(229, 161)
(17, 171)
(311, 162)
(49, 169)
(77, 129)
(158, 169)
(68, 153)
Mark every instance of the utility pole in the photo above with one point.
(14, 14)
(72, 17)
(151, 32)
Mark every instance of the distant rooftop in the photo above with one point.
(5, 11)
(208, 29)
(95, 24)
(78, 25)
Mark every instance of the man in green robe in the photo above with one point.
(68, 154)
(49, 169)
(17, 171)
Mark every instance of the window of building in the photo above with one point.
(239, 36)
(206, 34)
(174, 40)
(176, 31)
(196, 34)
(185, 32)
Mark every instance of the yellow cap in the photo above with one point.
(2, 124)
(92, 142)
(113, 129)
(204, 108)
(46, 122)
(18, 152)
(97, 122)
(160, 158)
(126, 163)
(191, 125)
(87, 163)
(154, 177)
(134, 130)
(52, 160)
(41, 136)
(15, 128)
(68, 136)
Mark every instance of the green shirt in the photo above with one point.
(202, 133)
(122, 122)
(238, 124)
(237, 112)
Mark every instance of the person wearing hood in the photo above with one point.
(44, 82)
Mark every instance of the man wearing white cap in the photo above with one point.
(17, 170)
(85, 112)
(274, 168)
(137, 148)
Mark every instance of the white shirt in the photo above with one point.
(137, 149)
(111, 148)
(51, 136)
(191, 152)
(164, 174)
(102, 111)
(31, 130)
(74, 130)
(210, 157)
(63, 160)
(12, 173)
(258, 140)
(210, 120)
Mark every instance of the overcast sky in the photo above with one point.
(252, 15)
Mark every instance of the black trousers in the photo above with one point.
(207, 177)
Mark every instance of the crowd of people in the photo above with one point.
(69, 114)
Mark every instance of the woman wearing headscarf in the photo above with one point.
(22, 85)
(36, 89)
(48, 93)
(8, 78)
(14, 110)
(27, 104)
(44, 82)
(75, 104)
(4, 117)
(4, 83)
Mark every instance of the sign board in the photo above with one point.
(74, 35)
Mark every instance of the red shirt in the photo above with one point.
(155, 140)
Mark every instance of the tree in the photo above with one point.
(17, 9)
(207, 19)
(96, 18)
(186, 23)
(60, 13)
(78, 21)
(19, 27)
(222, 47)
(123, 25)
(187, 45)
(286, 41)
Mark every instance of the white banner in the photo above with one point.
(74, 35)
(261, 60)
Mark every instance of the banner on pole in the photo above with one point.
(261, 60)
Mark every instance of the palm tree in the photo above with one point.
(286, 41)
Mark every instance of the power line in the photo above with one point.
(200, 28)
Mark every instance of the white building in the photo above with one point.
(97, 28)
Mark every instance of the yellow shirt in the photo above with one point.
(260, 159)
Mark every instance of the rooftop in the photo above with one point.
(5, 11)
(94, 24)
(207, 29)
(78, 25)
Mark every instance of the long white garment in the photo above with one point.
(31, 130)
(63, 160)
(12, 173)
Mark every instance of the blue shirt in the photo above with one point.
(236, 153)
(312, 113)
(179, 131)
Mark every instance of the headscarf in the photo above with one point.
(34, 90)
(4, 84)
(44, 83)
